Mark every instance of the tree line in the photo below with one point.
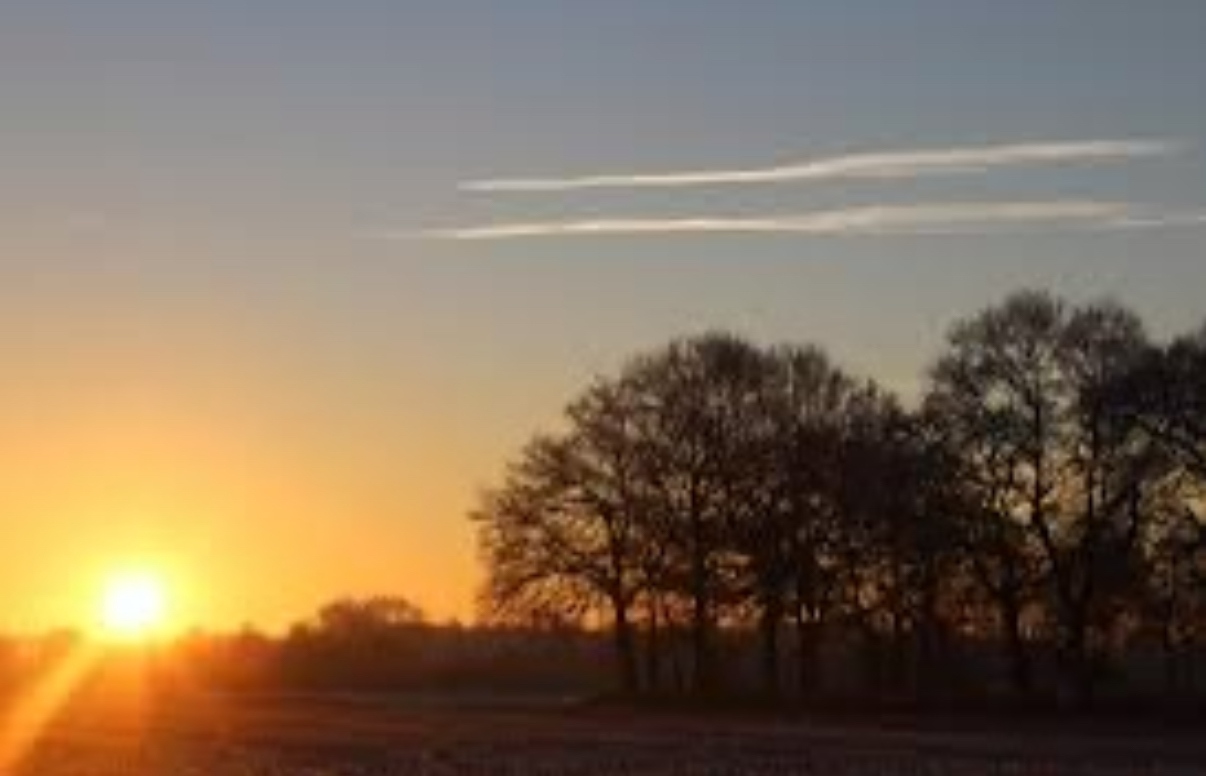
(1039, 508)
(373, 644)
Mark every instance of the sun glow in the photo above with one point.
(133, 605)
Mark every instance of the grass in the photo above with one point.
(212, 735)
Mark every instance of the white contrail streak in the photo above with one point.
(930, 218)
(876, 165)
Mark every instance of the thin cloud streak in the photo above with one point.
(918, 219)
(1160, 220)
(878, 165)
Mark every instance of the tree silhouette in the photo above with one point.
(1044, 497)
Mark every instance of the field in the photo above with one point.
(205, 735)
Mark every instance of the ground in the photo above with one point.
(213, 735)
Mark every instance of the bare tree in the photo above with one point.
(995, 394)
(702, 421)
(558, 536)
(1164, 394)
(1045, 496)
(1022, 392)
(788, 541)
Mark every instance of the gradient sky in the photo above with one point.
(241, 342)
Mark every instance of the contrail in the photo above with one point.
(917, 219)
(877, 165)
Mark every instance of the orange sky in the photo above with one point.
(229, 474)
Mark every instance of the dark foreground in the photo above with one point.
(308, 736)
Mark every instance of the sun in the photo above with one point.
(133, 605)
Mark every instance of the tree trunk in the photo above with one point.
(1077, 663)
(625, 647)
(929, 676)
(1168, 647)
(1020, 675)
(701, 615)
(653, 663)
(807, 654)
(771, 615)
(676, 661)
(701, 649)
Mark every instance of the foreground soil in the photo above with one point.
(200, 733)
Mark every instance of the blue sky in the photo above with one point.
(224, 211)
